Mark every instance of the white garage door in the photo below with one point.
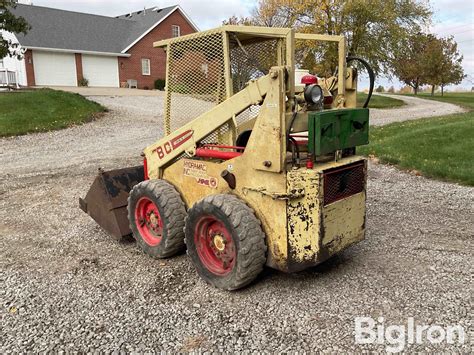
(100, 71)
(54, 68)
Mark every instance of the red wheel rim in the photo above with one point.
(215, 246)
(148, 221)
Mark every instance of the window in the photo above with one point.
(175, 31)
(1, 62)
(205, 69)
(146, 66)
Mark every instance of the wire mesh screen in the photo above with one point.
(251, 60)
(318, 57)
(196, 80)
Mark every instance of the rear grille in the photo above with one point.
(342, 182)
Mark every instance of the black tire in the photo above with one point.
(247, 236)
(172, 213)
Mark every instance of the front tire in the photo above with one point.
(156, 214)
(225, 241)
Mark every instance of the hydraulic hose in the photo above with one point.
(371, 76)
(291, 139)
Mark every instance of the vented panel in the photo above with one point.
(343, 182)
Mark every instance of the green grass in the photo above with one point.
(436, 147)
(377, 101)
(43, 110)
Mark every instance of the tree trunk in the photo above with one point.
(415, 89)
(432, 90)
(442, 89)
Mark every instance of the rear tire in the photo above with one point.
(225, 241)
(156, 214)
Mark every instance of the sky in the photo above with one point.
(451, 17)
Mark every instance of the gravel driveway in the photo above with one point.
(414, 108)
(66, 285)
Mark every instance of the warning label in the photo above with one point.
(198, 170)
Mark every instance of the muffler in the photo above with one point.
(106, 201)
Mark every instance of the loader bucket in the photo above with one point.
(106, 201)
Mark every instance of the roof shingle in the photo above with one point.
(60, 29)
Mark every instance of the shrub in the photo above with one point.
(180, 89)
(160, 84)
(83, 82)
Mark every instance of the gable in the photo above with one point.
(175, 9)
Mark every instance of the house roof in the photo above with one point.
(52, 28)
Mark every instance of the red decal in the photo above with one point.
(168, 147)
(183, 137)
(213, 182)
(202, 181)
(209, 182)
(160, 153)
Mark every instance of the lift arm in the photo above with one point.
(184, 139)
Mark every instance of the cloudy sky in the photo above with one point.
(451, 17)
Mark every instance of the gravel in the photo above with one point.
(414, 108)
(67, 286)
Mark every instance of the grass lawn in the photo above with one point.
(377, 101)
(436, 147)
(43, 110)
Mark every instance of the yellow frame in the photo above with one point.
(263, 179)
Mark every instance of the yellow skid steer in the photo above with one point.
(258, 166)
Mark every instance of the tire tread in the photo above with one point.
(174, 210)
(251, 256)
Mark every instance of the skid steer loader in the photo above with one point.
(258, 164)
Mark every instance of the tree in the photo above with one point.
(234, 20)
(444, 64)
(372, 28)
(380, 88)
(425, 59)
(10, 23)
(406, 90)
(410, 63)
(391, 90)
(250, 60)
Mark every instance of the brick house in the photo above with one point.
(64, 47)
